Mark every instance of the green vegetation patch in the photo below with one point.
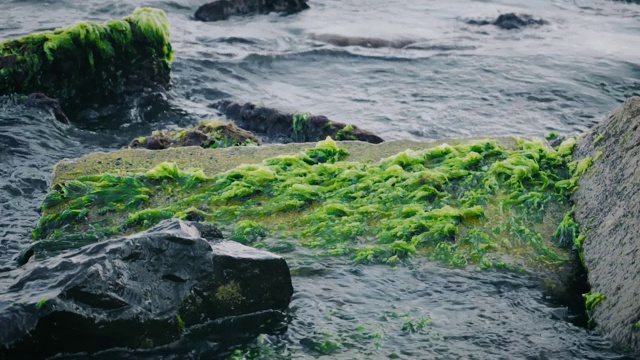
(591, 300)
(210, 134)
(89, 61)
(471, 204)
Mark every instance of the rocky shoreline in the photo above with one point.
(128, 248)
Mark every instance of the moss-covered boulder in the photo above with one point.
(89, 62)
(141, 291)
(608, 211)
(209, 135)
(279, 127)
(485, 203)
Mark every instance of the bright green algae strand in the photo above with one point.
(472, 204)
(88, 60)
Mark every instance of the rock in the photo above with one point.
(374, 43)
(607, 209)
(285, 128)
(88, 62)
(510, 21)
(223, 9)
(44, 102)
(209, 135)
(140, 291)
(476, 203)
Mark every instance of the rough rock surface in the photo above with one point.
(140, 291)
(285, 128)
(510, 21)
(223, 9)
(215, 161)
(608, 209)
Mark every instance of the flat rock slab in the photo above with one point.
(140, 291)
(214, 161)
(608, 211)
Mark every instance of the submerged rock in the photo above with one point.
(223, 9)
(209, 135)
(90, 62)
(368, 42)
(46, 103)
(284, 128)
(510, 21)
(140, 291)
(608, 210)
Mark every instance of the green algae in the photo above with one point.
(552, 136)
(345, 133)
(249, 232)
(300, 127)
(475, 203)
(180, 323)
(599, 138)
(591, 300)
(566, 147)
(42, 303)
(230, 293)
(89, 61)
(211, 134)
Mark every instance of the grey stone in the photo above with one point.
(608, 211)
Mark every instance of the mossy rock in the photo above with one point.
(211, 134)
(280, 127)
(483, 203)
(89, 62)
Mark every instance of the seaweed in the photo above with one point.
(300, 127)
(591, 300)
(88, 61)
(477, 203)
(211, 134)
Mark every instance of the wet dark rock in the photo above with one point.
(223, 9)
(141, 291)
(510, 21)
(148, 106)
(46, 103)
(607, 209)
(286, 128)
(209, 135)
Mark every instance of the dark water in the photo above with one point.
(456, 80)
